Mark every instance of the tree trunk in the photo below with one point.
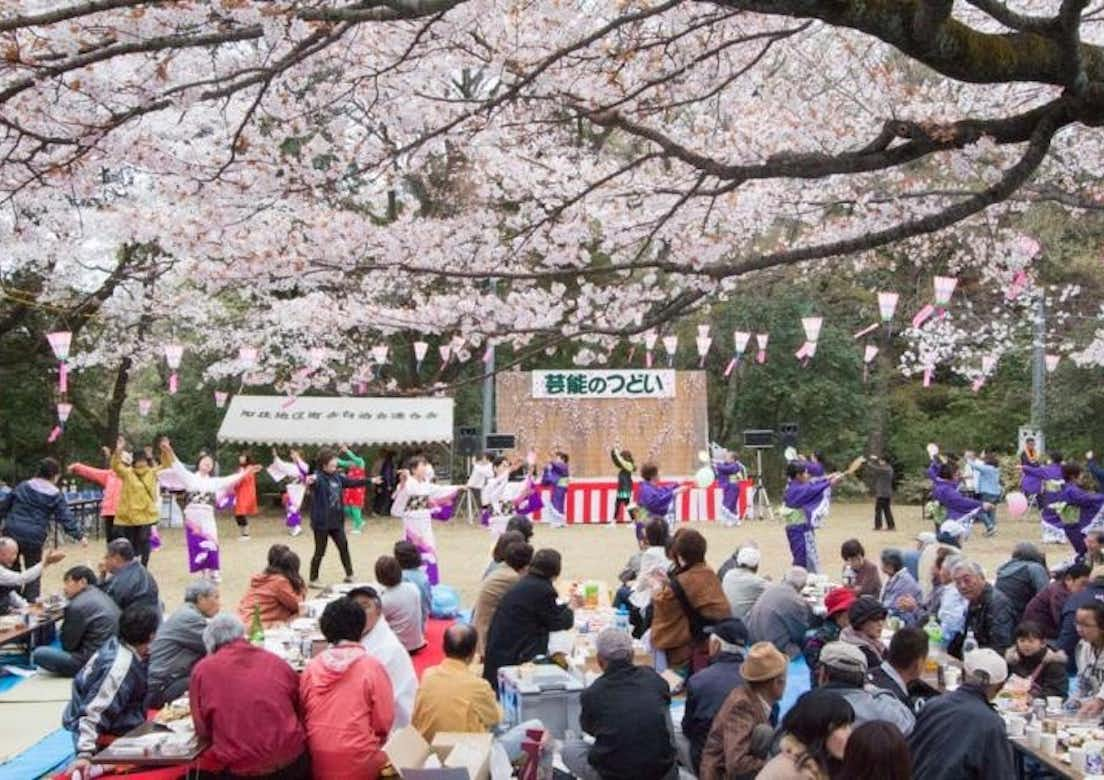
(118, 398)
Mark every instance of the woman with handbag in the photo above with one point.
(691, 600)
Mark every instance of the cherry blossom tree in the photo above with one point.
(521, 172)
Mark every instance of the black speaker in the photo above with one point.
(467, 441)
(500, 441)
(759, 439)
(789, 433)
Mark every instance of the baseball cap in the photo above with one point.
(732, 630)
(839, 600)
(927, 537)
(748, 556)
(845, 657)
(987, 661)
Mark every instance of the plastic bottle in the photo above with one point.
(256, 628)
(934, 632)
(970, 643)
(621, 619)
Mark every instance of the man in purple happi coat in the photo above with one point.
(803, 499)
(1076, 511)
(555, 475)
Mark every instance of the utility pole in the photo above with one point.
(489, 381)
(1038, 365)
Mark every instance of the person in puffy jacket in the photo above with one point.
(112, 486)
(139, 504)
(347, 700)
(109, 691)
(28, 510)
(1021, 578)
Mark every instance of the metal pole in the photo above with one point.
(1038, 366)
(488, 381)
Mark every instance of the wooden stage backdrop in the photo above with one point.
(669, 431)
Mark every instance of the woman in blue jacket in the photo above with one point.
(327, 514)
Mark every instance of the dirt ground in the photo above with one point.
(597, 552)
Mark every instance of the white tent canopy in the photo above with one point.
(310, 420)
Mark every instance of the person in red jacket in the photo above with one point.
(245, 496)
(245, 703)
(348, 704)
(111, 484)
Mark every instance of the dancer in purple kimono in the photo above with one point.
(1077, 511)
(200, 529)
(416, 501)
(730, 473)
(656, 499)
(803, 501)
(296, 475)
(1040, 482)
(956, 506)
(555, 475)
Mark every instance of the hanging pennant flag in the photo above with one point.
(60, 341)
(220, 399)
(1052, 363)
(173, 354)
(144, 406)
(869, 354)
(420, 350)
(761, 341)
(703, 344)
(670, 346)
(649, 347)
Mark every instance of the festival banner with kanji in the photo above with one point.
(603, 384)
(270, 419)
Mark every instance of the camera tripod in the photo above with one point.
(761, 508)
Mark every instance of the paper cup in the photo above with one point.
(1048, 743)
(1077, 759)
(1054, 703)
(1034, 736)
(1016, 726)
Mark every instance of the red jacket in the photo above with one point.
(245, 701)
(349, 708)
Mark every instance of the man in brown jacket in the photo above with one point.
(704, 598)
(494, 587)
(739, 740)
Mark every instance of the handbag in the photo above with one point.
(699, 656)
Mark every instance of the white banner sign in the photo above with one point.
(604, 384)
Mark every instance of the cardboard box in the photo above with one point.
(452, 756)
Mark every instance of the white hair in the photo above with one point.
(7, 541)
(200, 588)
(222, 629)
(964, 563)
(796, 577)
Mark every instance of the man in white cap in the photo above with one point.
(943, 749)
(742, 584)
(952, 532)
(916, 558)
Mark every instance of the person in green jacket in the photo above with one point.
(353, 498)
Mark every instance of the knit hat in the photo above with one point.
(865, 609)
(988, 662)
(764, 662)
(748, 557)
(839, 600)
(843, 656)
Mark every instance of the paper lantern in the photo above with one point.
(247, 357)
(703, 331)
(761, 340)
(944, 289)
(379, 353)
(60, 341)
(63, 411)
(445, 351)
(144, 406)
(870, 353)
(670, 346)
(650, 339)
(1052, 362)
(420, 350)
(741, 339)
(703, 343)
(173, 354)
(812, 327)
(887, 305)
(220, 399)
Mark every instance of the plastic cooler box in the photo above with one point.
(547, 693)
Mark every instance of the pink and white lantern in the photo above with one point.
(421, 348)
(220, 398)
(144, 406)
(761, 340)
(379, 353)
(63, 412)
(811, 326)
(650, 339)
(670, 346)
(740, 341)
(247, 357)
(173, 354)
(1052, 362)
(60, 341)
(944, 289)
(887, 305)
(445, 351)
(703, 343)
(869, 353)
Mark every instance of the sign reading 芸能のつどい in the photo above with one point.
(603, 384)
